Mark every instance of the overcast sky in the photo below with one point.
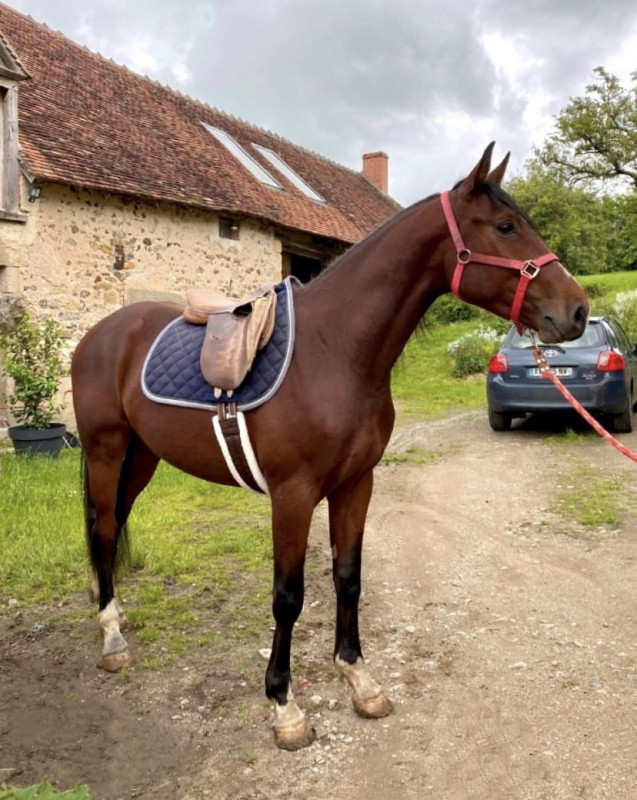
(430, 82)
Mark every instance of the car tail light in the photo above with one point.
(610, 361)
(499, 363)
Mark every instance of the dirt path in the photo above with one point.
(506, 637)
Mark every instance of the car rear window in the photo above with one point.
(593, 336)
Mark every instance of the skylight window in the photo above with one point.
(240, 154)
(296, 180)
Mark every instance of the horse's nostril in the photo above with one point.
(580, 314)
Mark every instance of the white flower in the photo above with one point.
(487, 335)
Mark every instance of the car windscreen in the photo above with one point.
(593, 336)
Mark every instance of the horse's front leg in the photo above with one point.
(291, 517)
(348, 510)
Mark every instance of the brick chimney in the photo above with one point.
(376, 170)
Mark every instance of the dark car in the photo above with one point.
(598, 369)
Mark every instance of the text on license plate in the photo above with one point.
(561, 372)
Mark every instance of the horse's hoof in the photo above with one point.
(114, 662)
(373, 707)
(295, 736)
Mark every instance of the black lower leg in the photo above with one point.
(102, 554)
(286, 607)
(347, 583)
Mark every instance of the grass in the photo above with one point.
(190, 540)
(415, 456)
(422, 384)
(43, 556)
(44, 791)
(603, 290)
(609, 283)
(572, 437)
(590, 500)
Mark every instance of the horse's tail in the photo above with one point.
(122, 548)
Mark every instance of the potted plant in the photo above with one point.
(32, 358)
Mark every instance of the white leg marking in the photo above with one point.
(367, 695)
(358, 677)
(115, 654)
(289, 714)
(291, 729)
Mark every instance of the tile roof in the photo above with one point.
(86, 121)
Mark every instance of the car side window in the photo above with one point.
(622, 339)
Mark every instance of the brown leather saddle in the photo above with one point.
(235, 332)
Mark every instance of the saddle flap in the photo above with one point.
(233, 338)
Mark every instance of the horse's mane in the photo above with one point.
(369, 239)
(493, 191)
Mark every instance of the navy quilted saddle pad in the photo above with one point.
(171, 372)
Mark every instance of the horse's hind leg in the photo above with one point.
(348, 511)
(116, 472)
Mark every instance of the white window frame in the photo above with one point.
(286, 170)
(243, 157)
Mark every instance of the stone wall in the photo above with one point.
(83, 254)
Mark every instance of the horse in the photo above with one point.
(326, 427)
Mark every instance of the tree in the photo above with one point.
(595, 137)
(574, 222)
(620, 215)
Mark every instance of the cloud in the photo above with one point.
(429, 82)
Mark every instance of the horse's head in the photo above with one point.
(499, 261)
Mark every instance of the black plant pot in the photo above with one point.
(45, 442)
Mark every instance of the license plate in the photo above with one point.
(561, 372)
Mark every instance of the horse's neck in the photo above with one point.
(369, 303)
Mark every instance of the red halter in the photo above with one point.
(528, 269)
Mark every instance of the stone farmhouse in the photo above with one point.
(114, 188)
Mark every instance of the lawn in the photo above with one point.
(609, 283)
(422, 384)
(190, 540)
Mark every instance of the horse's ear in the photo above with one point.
(479, 174)
(497, 173)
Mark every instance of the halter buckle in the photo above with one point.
(464, 255)
(530, 270)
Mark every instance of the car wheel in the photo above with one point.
(500, 420)
(622, 423)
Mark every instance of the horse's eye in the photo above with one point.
(506, 227)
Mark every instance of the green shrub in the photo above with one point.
(497, 324)
(472, 351)
(603, 306)
(33, 359)
(447, 309)
(624, 309)
(594, 289)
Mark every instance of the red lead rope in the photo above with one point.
(547, 372)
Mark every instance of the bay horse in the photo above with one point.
(325, 429)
